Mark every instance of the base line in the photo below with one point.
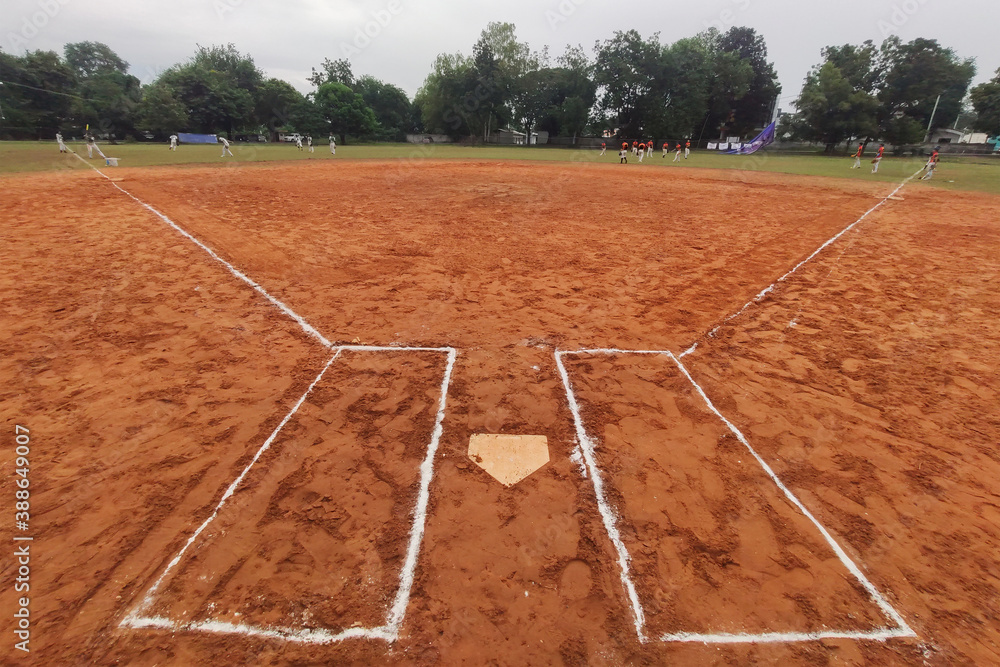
(607, 513)
(308, 328)
(764, 292)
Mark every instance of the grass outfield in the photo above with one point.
(974, 173)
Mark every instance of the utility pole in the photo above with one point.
(927, 137)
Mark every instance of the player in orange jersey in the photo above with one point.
(687, 149)
(878, 158)
(677, 154)
(857, 156)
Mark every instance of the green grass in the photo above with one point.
(975, 173)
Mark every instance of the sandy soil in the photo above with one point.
(149, 376)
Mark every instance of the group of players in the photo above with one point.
(928, 169)
(643, 149)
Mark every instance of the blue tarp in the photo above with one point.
(197, 138)
(763, 139)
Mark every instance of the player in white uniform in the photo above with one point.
(298, 142)
(225, 147)
(173, 142)
(91, 145)
(677, 155)
(62, 146)
(309, 143)
(333, 145)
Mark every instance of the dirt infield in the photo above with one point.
(150, 377)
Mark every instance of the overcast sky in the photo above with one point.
(288, 38)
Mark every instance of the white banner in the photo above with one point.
(723, 147)
(713, 146)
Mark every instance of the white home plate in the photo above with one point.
(509, 458)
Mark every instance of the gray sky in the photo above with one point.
(288, 38)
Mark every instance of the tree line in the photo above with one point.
(711, 85)
(891, 92)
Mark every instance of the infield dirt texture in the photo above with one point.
(150, 377)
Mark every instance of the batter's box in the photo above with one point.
(317, 540)
(712, 546)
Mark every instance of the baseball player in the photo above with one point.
(62, 146)
(857, 156)
(642, 151)
(687, 148)
(173, 142)
(878, 158)
(635, 148)
(225, 147)
(933, 159)
(333, 145)
(623, 153)
(309, 143)
(677, 154)
(91, 145)
(666, 145)
(604, 148)
(930, 166)
(298, 142)
(649, 148)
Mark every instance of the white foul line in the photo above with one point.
(398, 609)
(764, 292)
(148, 598)
(881, 634)
(388, 632)
(607, 514)
(308, 328)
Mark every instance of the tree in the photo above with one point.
(534, 94)
(446, 102)
(237, 69)
(38, 94)
(831, 110)
(276, 104)
(88, 59)
(752, 109)
(160, 111)
(499, 62)
(344, 111)
(108, 94)
(624, 72)
(217, 87)
(210, 99)
(915, 74)
(860, 65)
(986, 101)
(574, 96)
(333, 71)
(390, 104)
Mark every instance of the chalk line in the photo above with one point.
(607, 513)
(388, 632)
(148, 598)
(308, 328)
(398, 610)
(882, 603)
(587, 446)
(764, 292)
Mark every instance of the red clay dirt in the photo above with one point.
(149, 376)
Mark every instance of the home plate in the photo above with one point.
(509, 458)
